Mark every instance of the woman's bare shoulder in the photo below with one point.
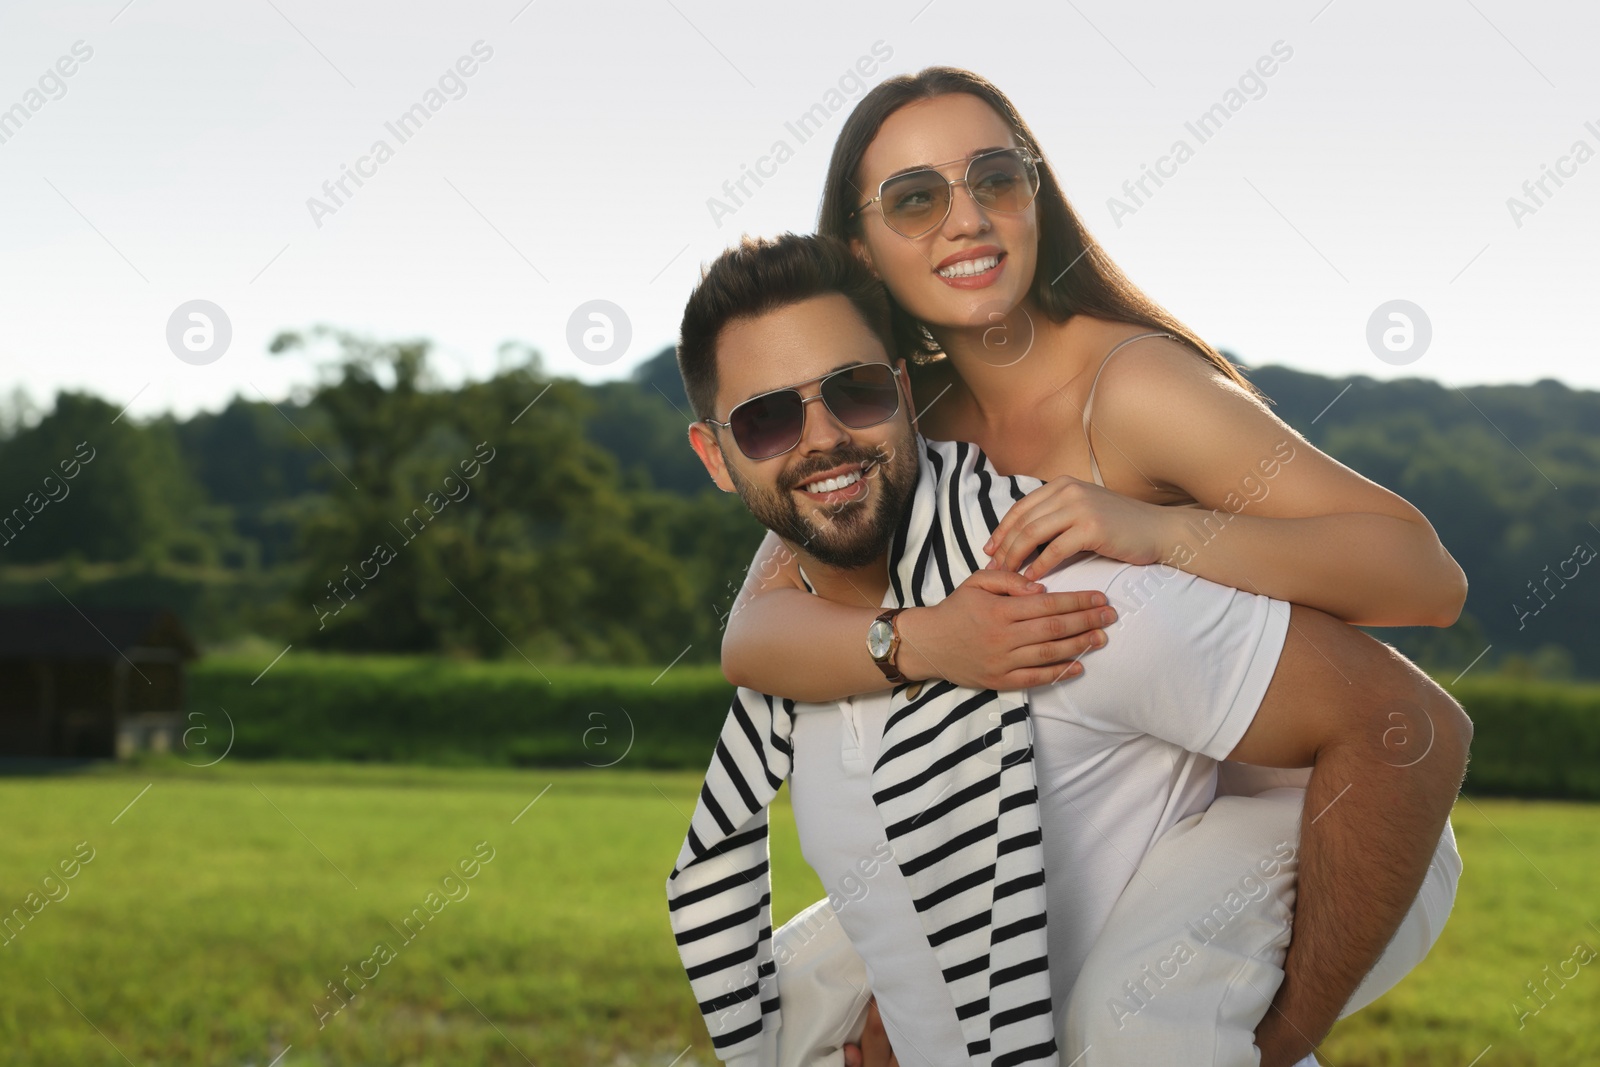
(1158, 401)
(1166, 370)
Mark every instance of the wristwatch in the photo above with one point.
(883, 645)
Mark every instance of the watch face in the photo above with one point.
(880, 635)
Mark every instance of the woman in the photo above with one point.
(1011, 313)
(1029, 341)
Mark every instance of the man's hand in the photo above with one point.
(874, 1050)
(1277, 1040)
(1000, 631)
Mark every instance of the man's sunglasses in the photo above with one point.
(914, 203)
(771, 424)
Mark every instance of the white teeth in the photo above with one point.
(966, 268)
(830, 485)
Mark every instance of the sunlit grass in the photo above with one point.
(220, 904)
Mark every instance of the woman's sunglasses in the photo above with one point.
(915, 203)
(771, 424)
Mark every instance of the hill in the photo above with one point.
(596, 534)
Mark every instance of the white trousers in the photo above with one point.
(1184, 970)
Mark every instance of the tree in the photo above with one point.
(84, 481)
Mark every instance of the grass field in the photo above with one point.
(220, 903)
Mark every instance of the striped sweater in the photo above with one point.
(954, 786)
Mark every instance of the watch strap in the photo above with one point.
(889, 665)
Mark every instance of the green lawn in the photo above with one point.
(217, 908)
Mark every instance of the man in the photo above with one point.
(1124, 755)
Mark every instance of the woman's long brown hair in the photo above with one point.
(1073, 274)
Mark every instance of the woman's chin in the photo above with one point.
(980, 309)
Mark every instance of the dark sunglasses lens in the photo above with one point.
(862, 396)
(767, 426)
(914, 203)
(1004, 181)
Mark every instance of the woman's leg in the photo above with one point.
(1193, 952)
(823, 986)
(1185, 967)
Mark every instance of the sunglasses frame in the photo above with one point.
(820, 381)
(1029, 161)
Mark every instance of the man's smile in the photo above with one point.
(843, 483)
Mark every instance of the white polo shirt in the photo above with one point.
(1121, 753)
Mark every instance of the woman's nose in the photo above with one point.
(966, 215)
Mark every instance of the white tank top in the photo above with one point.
(1088, 404)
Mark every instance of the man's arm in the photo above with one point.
(1389, 748)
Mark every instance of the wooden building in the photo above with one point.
(99, 683)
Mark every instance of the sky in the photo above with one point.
(563, 154)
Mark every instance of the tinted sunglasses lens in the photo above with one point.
(862, 396)
(767, 426)
(914, 203)
(1004, 181)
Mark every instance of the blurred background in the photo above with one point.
(360, 598)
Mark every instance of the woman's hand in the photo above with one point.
(1068, 516)
(1000, 631)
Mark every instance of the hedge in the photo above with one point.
(1532, 739)
(428, 710)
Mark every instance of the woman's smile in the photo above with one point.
(978, 269)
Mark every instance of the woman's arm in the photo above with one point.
(1276, 516)
(996, 631)
(759, 649)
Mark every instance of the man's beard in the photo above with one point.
(847, 535)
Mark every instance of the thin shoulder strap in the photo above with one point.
(1088, 404)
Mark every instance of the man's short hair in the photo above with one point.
(760, 276)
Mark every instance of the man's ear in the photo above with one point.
(703, 439)
(858, 247)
